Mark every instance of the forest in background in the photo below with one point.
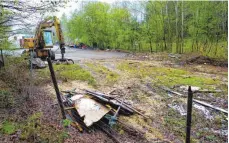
(152, 26)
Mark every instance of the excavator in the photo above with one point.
(40, 46)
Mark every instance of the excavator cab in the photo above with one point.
(48, 42)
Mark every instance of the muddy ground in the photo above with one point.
(141, 80)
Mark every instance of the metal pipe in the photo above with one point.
(56, 87)
(189, 115)
(31, 74)
(113, 102)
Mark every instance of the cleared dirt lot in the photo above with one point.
(140, 78)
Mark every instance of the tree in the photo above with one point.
(172, 26)
(21, 16)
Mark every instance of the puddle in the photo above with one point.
(183, 112)
(205, 111)
(221, 132)
(178, 108)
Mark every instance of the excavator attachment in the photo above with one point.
(38, 63)
(63, 59)
(67, 61)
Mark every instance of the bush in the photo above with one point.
(6, 99)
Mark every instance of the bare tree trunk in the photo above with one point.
(216, 46)
(176, 9)
(197, 47)
(205, 46)
(164, 30)
(192, 45)
(169, 39)
(182, 30)
(151, 48)
(210, 48)
(139, 46)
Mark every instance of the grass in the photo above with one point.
(110, 77)
(175, 123)
(201, 127)
(8, 127)
(167, 76)
(6, 99)
(143, 125)
(69, 72)
(171, 80)
(16, 76)
(32, 130)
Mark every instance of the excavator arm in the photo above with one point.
(59, 35)
(58, 31)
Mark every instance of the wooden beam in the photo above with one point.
(210, 106)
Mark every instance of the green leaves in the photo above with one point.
(154, 25)
(8, 127)
(66, 122)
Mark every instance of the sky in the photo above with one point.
(68, 9)
(74, 4)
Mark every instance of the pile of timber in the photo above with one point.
(115, 102)
(105, 110)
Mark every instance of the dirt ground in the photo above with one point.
(141, 80)
(166, 124)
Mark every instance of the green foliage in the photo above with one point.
(8, 127)
(68, 72)
(14, 81)
(30, 127)
(152, 26)
(168, 76)
(111, 77)
(66, 122)
(171, 79)
(32, 130)
(211, 137)
(174, 122)
(6, 99)
(74, 72)
(63, 135)
(5, 44)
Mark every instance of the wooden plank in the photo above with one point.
(208, 91)
(211, 106)
(135, 110)
(174, 92)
